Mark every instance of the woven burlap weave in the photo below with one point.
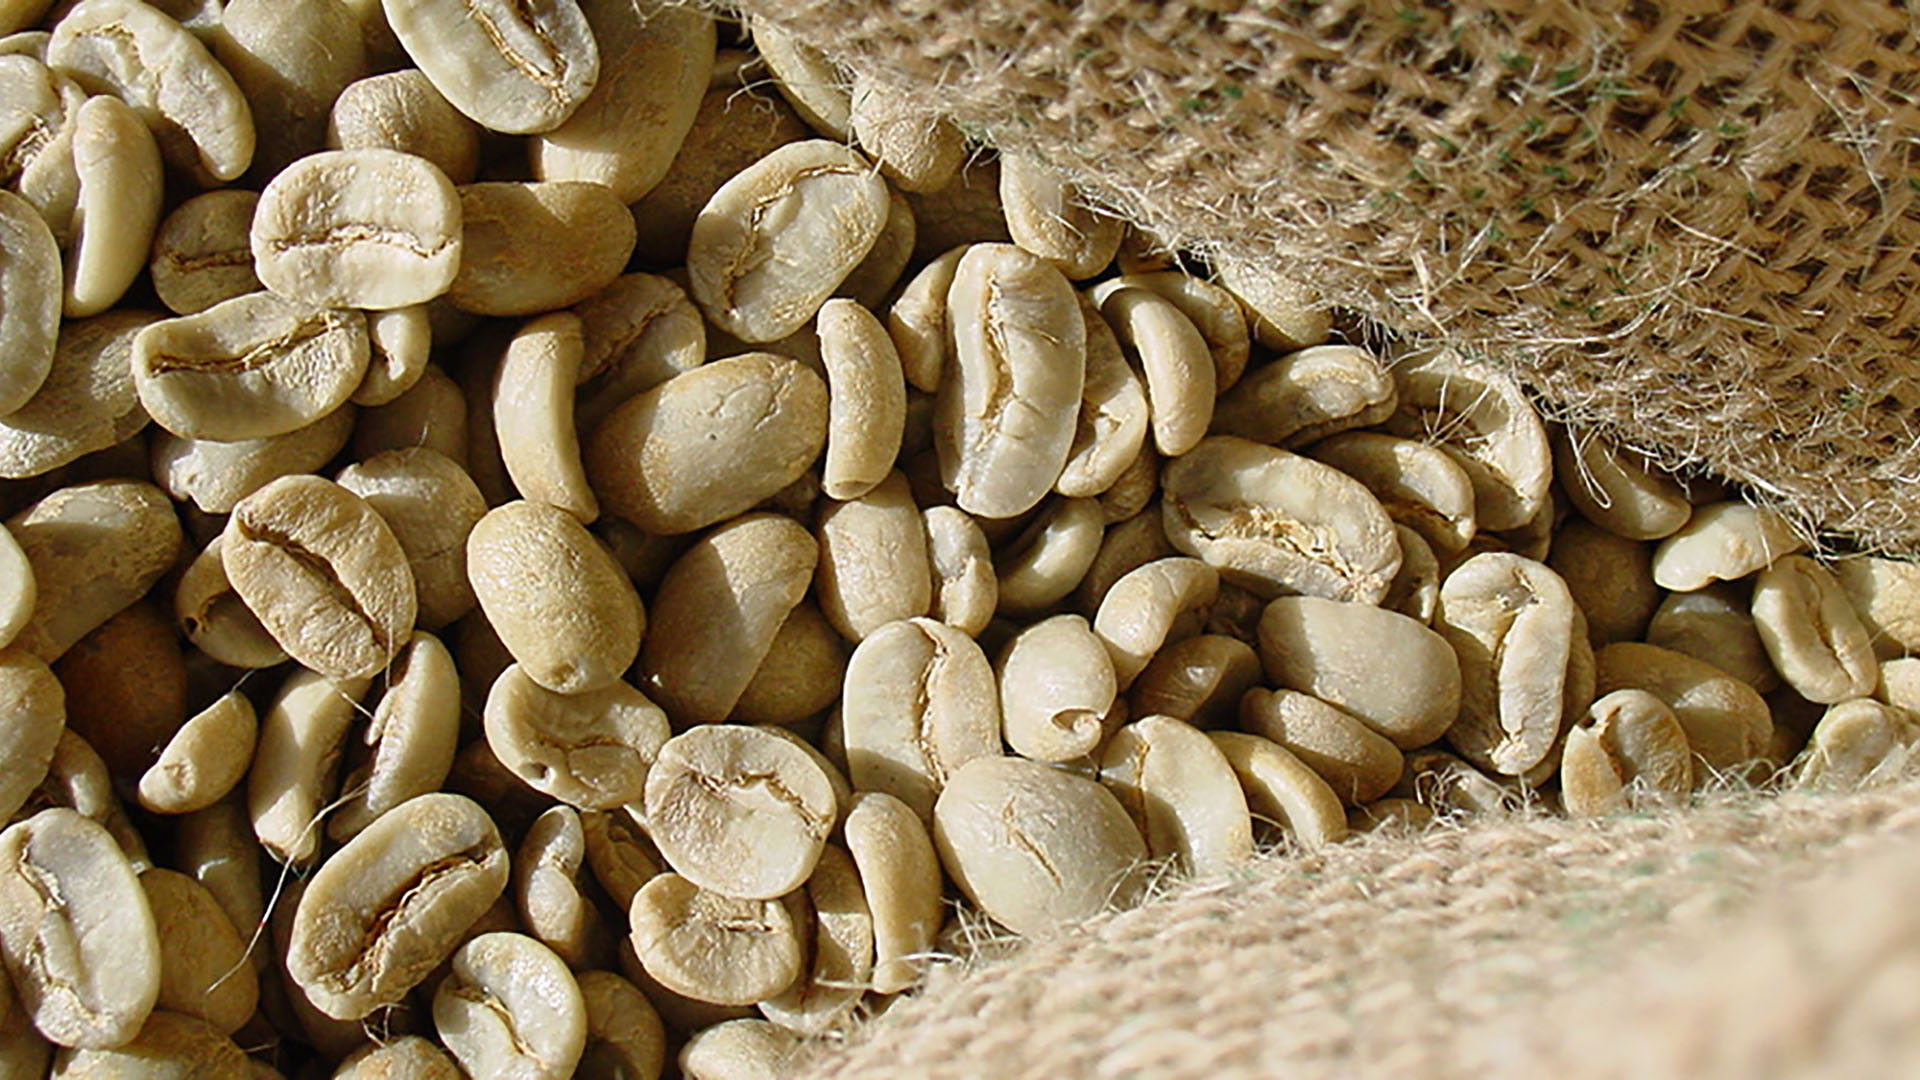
(1750, 938)
(1693, 221)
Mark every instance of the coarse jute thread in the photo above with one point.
(1690, 222)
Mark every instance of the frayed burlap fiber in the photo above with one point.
(1692, 221)
(1743, 939)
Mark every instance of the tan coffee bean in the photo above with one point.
(1037, 849)
(920, 701)
(966, 591)
(1307, 395)
(511, 1009)
(707, 445)
(1393, 674)
(840, 963)
(1611, 579)
(409, 1057)
(1417, 484)
(739, 1050)
(867, 399)
(711, 947)
(899, 873)
(95, 548)
(1127, 546)
(1136, 488)
(216, 620)
(402, 111)
(1199, 680)
(559, 602)
(296, 761)
(1900, 683)
(1213, 311)
(916, 147)
(87, 402)
(126, 688)
(802, 672)
(215, 476)
(1276, 523)
(637, 333)
(739, 811)
(1811, 633)
(1415, 591)
(655, 62)
(1180, 790)
(204, 760)
(1715, 624)
(324, 574)
(432, 415)
(204, 971)
(917, 323)
(1046, 216)
(816, 89)
(332, 1037)
(249, 368)
(1050, 557)
(135, 53)
(874, 566)
(1282, 790)
(1627, 750)
(1282, 312)
(387, 908)
(1526, 667)
(620, 855)
(1008, 403)
(513, 70)
(432, 505)
(1857, 744)
(413, 732)
(76, 932)
(216, 847)
(1727, 722)
(202, 254)
(1056, 685)
(34, 705)
(375, 229)
(717, 613)
(730, 131)
(1886, 599)
(1179, 368)
(625, 1038)
(291, 59)
(1722, 541)
(77, 780)
(590, 749)
(547, 891)
(1451, 788)
(533, 414)
(761, 283)
(34, 109)
(1113, 420)
(116, 207)
(1617, 489)
(529, 248)
(1478, 415)
(168, 1046)
(30, 300)
(1150, 606)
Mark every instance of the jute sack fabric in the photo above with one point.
(1751, 938)
(1692, 222)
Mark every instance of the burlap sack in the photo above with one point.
(1692, 222)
